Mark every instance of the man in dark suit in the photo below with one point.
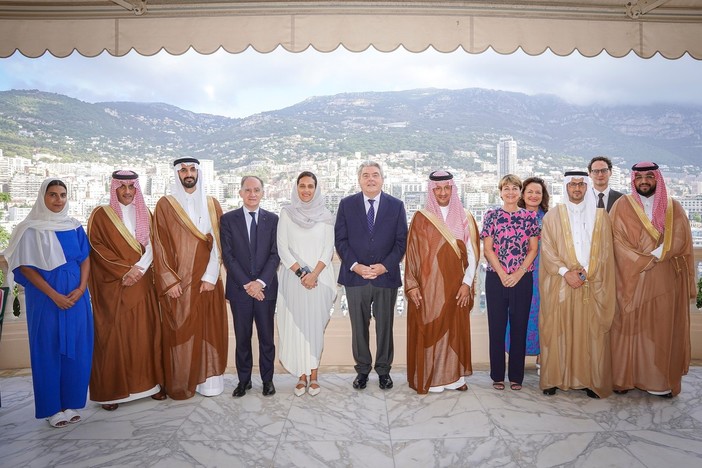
(600, 170)
(250, 255)
(371, 236)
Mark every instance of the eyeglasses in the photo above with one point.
(600, 171)
(576, 184)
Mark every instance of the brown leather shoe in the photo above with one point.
(110, 407)
(160, 396)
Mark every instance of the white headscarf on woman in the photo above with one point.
(33, 241)
(307, 214)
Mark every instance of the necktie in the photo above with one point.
(252, 232)
(600, 202)
(371, 216)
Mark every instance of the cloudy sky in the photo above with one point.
(239, 85)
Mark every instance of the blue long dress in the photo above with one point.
(60, 341)
(533, 347)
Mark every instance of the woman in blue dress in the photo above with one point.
(534, 198)
(48, 255)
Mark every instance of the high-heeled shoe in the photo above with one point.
(299, 391)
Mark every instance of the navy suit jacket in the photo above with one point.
(237, 257)
(613, 196)
(355, 244)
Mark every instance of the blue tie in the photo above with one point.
(371, 216)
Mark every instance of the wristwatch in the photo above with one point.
(298, 273)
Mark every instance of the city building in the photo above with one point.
(506, 157)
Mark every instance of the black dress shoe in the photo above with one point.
(268, 388)
(359, 383)
(621, 392)
(385, 382)
(591, 394)
(550, 391)
(240, 389)
(666, 395)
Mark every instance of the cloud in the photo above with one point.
(239, 85)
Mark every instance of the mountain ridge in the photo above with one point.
(440, 123)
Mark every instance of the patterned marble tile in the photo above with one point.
(140, 419)
(346, 427)
(529, 411)
(639, 410)
(663, 447)
(452, 452)
(223, 417)
(437, 415)
(187, 453)
(79, 453)
(339, 412)
(334, 453)
(590, 449)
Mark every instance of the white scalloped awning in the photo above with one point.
(646, 27)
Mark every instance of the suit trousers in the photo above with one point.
(381, 302)
(505, 304)
(245, 312)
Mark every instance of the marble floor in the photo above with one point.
(370, 428)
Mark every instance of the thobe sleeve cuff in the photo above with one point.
(562, 271)
(657, 252)
(145, 261)
(472, 265)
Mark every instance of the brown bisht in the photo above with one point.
(651, 329)
(127, 351)
(195, 327)
(438, 332)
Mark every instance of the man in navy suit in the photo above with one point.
(250, 255)
(600, 170)
(371, 236)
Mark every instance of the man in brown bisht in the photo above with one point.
(187, 266)
(576, 282)
(127, 362)
(655, 283)
(440, 264)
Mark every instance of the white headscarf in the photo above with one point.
(44, 250)
(590, 202)
(201, 217)
(307, 214)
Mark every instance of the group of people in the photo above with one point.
(598, 288)
(136, 307)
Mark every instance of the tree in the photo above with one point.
(5, 198)
(4, 238)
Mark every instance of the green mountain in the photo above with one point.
(440, 123)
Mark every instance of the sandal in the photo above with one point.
(498, 385)
(300, 390)
(58, 420)
(314, 391)
(72, 416)
(110, 406)
(462, 388)
(515, 386)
